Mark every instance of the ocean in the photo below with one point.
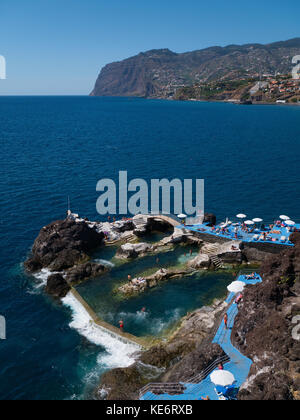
(55, 147)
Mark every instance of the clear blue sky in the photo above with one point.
(59, 46)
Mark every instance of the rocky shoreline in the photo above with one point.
(262, 330)
(181, 356)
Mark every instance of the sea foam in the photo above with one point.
(105, 263)
(42, 277)
(117, 353)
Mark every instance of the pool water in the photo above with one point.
(165, 304)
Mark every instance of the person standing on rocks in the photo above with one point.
(121, 326)
(226, 321)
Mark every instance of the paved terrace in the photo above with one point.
(278, 235)
(239, 365)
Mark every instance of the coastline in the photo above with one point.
(192, 331)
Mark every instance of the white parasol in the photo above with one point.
(236, 287)
(222, 378)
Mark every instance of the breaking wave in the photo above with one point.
(105, 263)
(116, 354)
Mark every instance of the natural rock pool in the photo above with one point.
(165, 305)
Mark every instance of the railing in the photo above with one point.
(178, 388)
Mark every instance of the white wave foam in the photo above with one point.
(42, 277)
(137, 317)
(105, 263)
(117, 353)
(155, 325)
(160, 324)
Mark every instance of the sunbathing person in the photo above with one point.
(239, 299)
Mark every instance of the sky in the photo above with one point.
(58, 47)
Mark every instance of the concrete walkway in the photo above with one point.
(239, 365)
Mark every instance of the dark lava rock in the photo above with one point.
(63, 244)
(210, 218)
(57, 286)
(253, 254)
(194, 363)
(123, 226)
(263, 329)
(85, 271)
(122, 384)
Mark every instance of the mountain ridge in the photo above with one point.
(160, 72)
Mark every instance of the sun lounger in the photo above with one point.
(226, 393)
(220, 395)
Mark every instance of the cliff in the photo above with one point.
(263, 329)
(159, 73)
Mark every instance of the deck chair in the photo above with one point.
(220, 395)
(226, 393)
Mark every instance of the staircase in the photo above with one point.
(211, 250)
(217, 262)
(150, 391)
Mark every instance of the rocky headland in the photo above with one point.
(63, 244)
(263, 327)
(166, 74)
(65, 249)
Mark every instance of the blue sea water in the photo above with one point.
(52, 147)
